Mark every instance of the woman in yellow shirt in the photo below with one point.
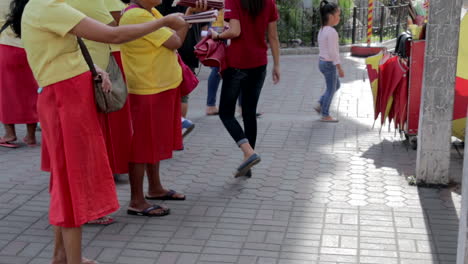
(153, 76)
(81, 185)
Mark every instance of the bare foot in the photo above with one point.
(212, 110)
(7, 139)
(30, 141)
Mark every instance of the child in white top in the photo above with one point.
(329, 63)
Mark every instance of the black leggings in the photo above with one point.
(249, 82)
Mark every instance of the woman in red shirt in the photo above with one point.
(249, 20)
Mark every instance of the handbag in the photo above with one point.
(189, 80)
(212, 53)
(116, 98)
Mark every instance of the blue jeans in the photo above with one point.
(328, 69)
(213, 83)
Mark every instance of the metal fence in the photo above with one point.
(300, 26)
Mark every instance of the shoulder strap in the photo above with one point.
(5, 26)
(131, 6)
(87, 57)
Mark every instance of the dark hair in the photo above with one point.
(326, 9)
(254, 7)
(14, 17)
(126, 1)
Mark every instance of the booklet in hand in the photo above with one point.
(203, 17)
(215, 4)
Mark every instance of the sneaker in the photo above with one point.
(187, 127)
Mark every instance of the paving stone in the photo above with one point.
(323, 193)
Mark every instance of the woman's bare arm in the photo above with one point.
(273, 40)
(93, 30)
(234, 31)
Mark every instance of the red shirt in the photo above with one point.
(249, 50)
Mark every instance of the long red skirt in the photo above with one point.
(81, 185)
(18, 88)
(117, 130)
(157, 126)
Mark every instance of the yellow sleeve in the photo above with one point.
(95, 9)
(114, 5)
(60, 18)
(139, 16)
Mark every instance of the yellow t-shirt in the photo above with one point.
(219, 23)
(149, 67)
(53, 54)
(114, 6)
(7, 37)
(97, 10)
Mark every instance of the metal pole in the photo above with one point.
(354, 25)
(398, 21)
(382, 20)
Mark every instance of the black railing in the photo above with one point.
(300, 26)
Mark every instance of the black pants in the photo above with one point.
(249, 82)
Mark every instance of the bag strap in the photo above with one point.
(5, 26)
(87, 57)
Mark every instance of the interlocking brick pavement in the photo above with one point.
(323, 193)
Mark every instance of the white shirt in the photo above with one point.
(329, 49)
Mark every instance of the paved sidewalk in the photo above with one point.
(323, 193)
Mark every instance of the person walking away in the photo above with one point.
(81, 186)
(329, 57)
(153, 78)
(18, 88)
(249, 21)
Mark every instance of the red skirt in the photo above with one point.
(157, 129)
(117, 130)
(18, 88)
(81, 184)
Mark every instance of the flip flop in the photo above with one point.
(331, 120)
(88, 261)
(8, 144)
(147, 211)
(168, 196)
(104, 221)
(247, 165)
(212, 114)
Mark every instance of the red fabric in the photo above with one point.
(81, 186)
(189, 80)
(461, 98)
(391, 74)
(157, 126)
(18, 88)
(117, 130)
(249, 50)
(212, 53)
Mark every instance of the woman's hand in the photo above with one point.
(276, 74)
(341, 73)
(214, 34)
(106, 82)
(175, 21)
(201, 6)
